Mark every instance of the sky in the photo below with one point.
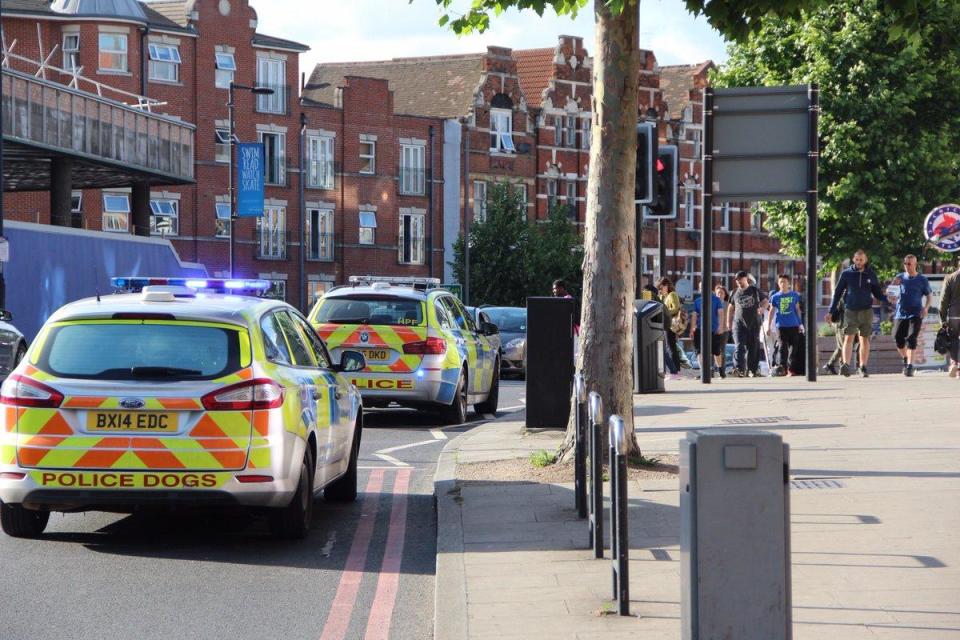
(357, 30)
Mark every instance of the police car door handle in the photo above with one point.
(315, 392)
(337, 393)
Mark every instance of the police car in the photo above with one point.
(422, 349)
(174, 394)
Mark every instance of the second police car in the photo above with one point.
(422, 349)
(166, 397)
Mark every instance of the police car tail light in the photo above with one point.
(428, 347)
(260, 393)
(19, 391)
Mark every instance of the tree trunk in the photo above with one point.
(609, 274)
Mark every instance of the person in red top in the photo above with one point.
(560, 291)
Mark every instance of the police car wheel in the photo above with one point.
(292, 522)
(344, 488)
(456, 411)
(19, 522)
(493, 399)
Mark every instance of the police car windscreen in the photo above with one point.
(142, 351)
(371, 310)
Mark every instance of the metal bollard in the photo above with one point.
(619, 545)
(580, 445)
(596, 474)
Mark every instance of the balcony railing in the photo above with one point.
(320, 247)
(412, 180)
(278, 102)
(42, 113)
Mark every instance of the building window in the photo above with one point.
(725, 269)
(756, 221)
(164, 218)
(272, 74)
(572, 199)
(551, 193)
(725, 217)
(316, 289)
(226, 67)
(411, 169)
(71, 51)
(558, 131)
(411, 238)
(690, 269)
(571, 131)
(756, 269)
(76, 202)
(320, 162)
(368, 157)
(277, 290)
(479, 201)
(113, 52)
(319, 234)
(368, 227)
(164, 63)
(772, 274)
(274, 153)
(689, 209)
(116, 212)
(223, 145)
(501, 131)
(223, 219)
(521, 192)
(273, 233)
(585, 136)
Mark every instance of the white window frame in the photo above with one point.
(222, 222)
(522, 191)
(412, 173)
(479, 201)
(726, 267)
(122, 55)
(689, 209)
(585, 136)
(367, 232)
(320, 222)
(570, 132)
(501, 131)
(725, 217)
(226, 67)
(690, 267)
(164, 208)
(272, 233)
(558, 122)
(272, 73)
(552, 189)
(320, 156)
(76, 202)
(115, 219)
(410, 246)
(316, 289)
(222, 145)
(368, 161)
(71, 51)
(166, 58)
(277, 290)
(756, 221)
(279, 163)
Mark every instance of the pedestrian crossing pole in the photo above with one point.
(813, 156)
(706, 235)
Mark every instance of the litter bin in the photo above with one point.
(648, 344)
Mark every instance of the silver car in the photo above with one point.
(13, 346)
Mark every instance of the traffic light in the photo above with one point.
(664, 204)
(645, 186)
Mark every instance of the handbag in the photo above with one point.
(945, 339)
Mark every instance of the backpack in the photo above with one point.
(680, 322)
(945, 339)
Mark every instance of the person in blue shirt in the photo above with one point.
(717, 344)
(785, 312)
(913, 305)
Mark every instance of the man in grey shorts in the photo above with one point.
(857, 287)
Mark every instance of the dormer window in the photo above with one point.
(501, 124)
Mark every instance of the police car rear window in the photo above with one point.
(371, 310)
(144, 351)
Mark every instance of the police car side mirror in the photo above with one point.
(489, 329)
(5, 316)
(351, 361)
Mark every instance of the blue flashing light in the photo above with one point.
(420, 373)
(197, 284)
(136, 284)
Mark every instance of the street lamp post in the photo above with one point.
(260, 91)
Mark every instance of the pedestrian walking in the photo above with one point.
(836, 358)
(721, 292)
(913, 305)
(560, 291)
(716, 346)
(745, 325)
(675, 322)
(950, 314)
(857, 286)
(785, 314)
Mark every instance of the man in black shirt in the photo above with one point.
(744, 322)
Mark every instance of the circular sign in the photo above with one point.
(685, 288)
(942, 227)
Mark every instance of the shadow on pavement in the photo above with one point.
(762, 427)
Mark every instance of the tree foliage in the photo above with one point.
(889, 123)
(512, 258)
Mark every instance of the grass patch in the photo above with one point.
(543, 458)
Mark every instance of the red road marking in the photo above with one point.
(335, 628)
(381, 612)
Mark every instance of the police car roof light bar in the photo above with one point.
(216, 285)
(416, 283)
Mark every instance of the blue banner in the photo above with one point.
(250, 172)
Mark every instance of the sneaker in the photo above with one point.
(723, 373)
(755, 373)
(831, 369)
(863, 372)
(954, 371)
(845, 370)
(780, 372)
(908, 371)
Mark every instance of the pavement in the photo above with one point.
(875, 511)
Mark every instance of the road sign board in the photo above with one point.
(942, 227)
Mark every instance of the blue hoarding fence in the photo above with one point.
(250, 176)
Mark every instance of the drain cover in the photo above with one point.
(770, 420)
(817, 483)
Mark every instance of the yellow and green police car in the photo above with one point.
(175, 395)
(422, 349)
